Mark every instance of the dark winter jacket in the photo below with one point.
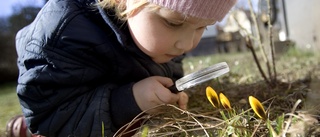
(77, 66)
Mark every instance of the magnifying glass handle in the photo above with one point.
(174, 89)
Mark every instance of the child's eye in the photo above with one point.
(201, 28)
(172, 24)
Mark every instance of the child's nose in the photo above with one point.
(185, 44)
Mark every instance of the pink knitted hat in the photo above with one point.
(205, 9)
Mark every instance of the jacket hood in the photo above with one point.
(109, 17)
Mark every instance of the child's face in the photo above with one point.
(163, 34)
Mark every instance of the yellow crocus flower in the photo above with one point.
(212, 97)
(257, 107)
(224, 101)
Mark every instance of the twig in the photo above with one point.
(274, 77)
(256, 129)
(249, 45)
(290, 118)
(254, 19)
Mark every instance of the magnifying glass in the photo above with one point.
(199, 77)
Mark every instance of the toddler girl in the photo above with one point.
(87, 63)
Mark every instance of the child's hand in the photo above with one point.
(154, 91)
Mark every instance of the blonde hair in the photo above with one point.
(120, 8)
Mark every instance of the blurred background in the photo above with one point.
(294, 23)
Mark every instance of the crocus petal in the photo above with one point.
(257, 107)
(212, 97)
(224, 101)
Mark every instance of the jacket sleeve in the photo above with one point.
(64, 86)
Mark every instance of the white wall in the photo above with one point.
(304, 23)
